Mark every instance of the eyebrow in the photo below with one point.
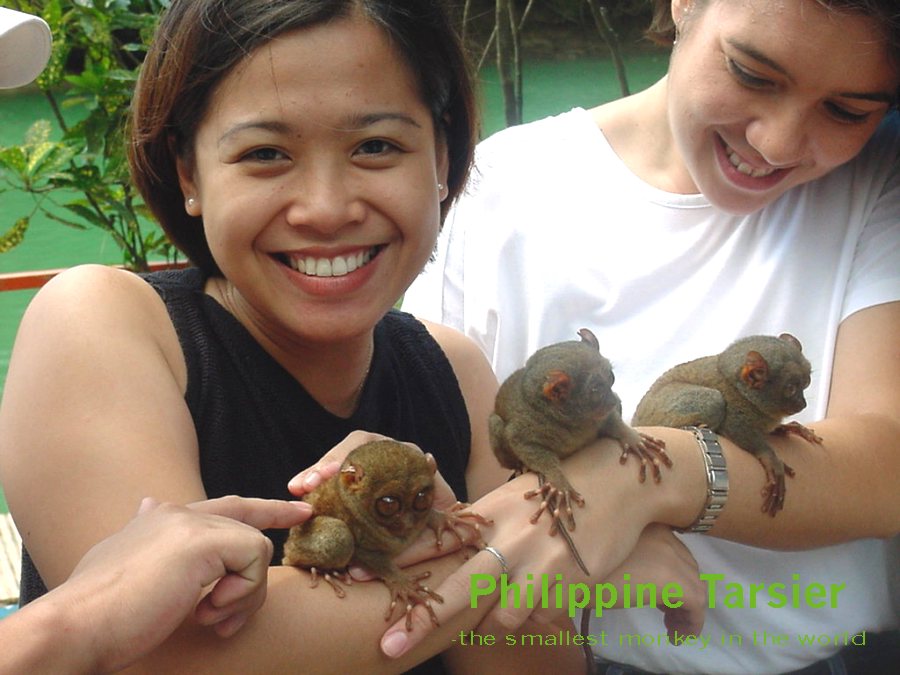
(264, 125)
(876, 96)
(354, 123)
(361, 121)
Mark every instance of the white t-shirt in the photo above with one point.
(555, 233)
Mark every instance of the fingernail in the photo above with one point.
(394, 644)
(358, 573)
(306, 482)
(303, 506)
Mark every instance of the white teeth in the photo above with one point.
(745, 168)
(323, 268)
(330, 267)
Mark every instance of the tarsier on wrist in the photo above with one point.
(716, 480)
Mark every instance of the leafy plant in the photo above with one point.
(82, 179)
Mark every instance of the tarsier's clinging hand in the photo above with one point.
(374, 508)
(744, 393)
(558, 403)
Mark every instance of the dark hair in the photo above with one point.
(197, 44)
(885, 13)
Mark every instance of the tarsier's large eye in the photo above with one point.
(387, 506)
(423, 500)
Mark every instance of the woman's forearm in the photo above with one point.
(49, 637)
(843, 488)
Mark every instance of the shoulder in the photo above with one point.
(460, 350)
(94, 292)
(478, 385)
(418, 339)
(93, 308)
(473, 371)
(538, 166)
(547, 137)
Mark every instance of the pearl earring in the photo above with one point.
(191, 202)
(440, 187)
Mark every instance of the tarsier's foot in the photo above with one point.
(407, 592)
(798, 429)
(774, 491)
(557, 502)
(333, 578)
(648, 450)
(454, 517)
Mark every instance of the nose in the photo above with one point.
(780, 135)
(323, 198)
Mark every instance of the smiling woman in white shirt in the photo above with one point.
(755, 189)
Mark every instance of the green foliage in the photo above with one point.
(82, 179)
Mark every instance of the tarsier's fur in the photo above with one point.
(374, 508)
(744, 393)
(558, 403)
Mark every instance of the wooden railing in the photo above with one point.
(21, 281)
(10, 560)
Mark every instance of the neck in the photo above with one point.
(334, 372)
(637, 128)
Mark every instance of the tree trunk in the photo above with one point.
(601, 19)
(509, 65)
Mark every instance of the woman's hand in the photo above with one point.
(328, 465)
(531, 556)
(617, 510)
(661, 558)
(133, 589)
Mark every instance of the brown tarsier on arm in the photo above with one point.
(744, 393)
(374, 508)
(558, 403)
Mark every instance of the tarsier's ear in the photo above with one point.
(588, 337)
(351, 475)
(432, 464)
(791, 340)
(557, 386)
(755, 372)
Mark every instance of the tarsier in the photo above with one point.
(558, 403)
(375, 507)
(744, 393)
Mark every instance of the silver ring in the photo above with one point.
(504, 567)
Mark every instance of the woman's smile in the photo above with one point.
(329, 266)
(743, 173)
(323, 274)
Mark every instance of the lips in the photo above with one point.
(738, 163)
(742, 173)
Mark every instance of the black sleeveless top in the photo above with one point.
(256, 425)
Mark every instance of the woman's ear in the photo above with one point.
(680, 10)
(189, 187)
(442, 164)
